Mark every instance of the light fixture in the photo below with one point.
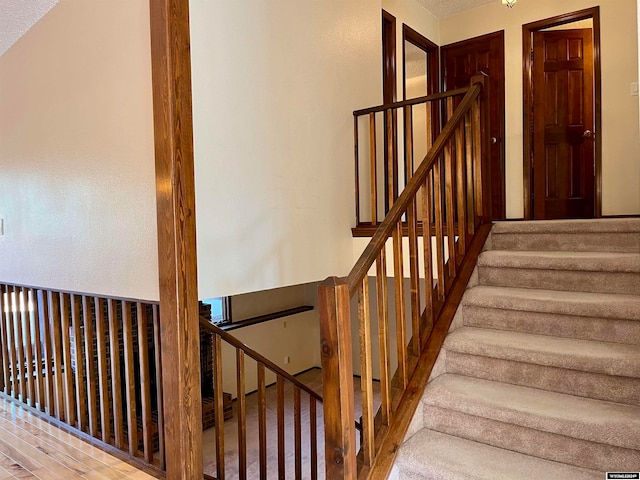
(509, 3)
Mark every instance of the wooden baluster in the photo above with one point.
(58, 358)
(297, 431)
(15, 309)
(337, 378)
(89, 356)
(439, 221)
(145, 380)
(6, 341)
(391, 167)
(383, 336)
(427, 196)
(81, 401)
(103, 372)
(468, 136)
(412, 221)
(449, 198)
(69, 391)
(129, 378)
(401, 330)
(428, 147)
(218, 395)
(313, 438)
(159, 392)
(116, 377)
(373, 168)
(364, 317)
(45, 320)
(34, 313)
(13, 344)
(25, 320)
(280, 410)
(242, 415)
(477, 157)
(461, 192)
(357, 167)
(262, 421)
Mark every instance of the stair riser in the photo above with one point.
(585, 328)
(573, 382)
(566, 280)
(550, 446)
(565, 242)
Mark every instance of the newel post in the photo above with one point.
(337, 379)
(483, 79)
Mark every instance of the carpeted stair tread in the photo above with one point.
(583, 355)
(431, 455)
(613, 225)
(576, 261)
(582, 418)
(598, 305)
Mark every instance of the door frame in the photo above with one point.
(433, 54)
(527, 96)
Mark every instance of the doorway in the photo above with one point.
(462, 60)
(562, 118)
(389, 95)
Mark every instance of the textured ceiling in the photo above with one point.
(18, 16)
(446, 8)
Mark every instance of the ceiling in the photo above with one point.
(18, 16)
(447, 8)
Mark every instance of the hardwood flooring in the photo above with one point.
(31, 448)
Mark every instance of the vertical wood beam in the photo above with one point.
(173, 127)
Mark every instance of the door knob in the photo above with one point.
(587, 134)
(494, 140)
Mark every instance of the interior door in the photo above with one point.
(460, 61)
(563, 137)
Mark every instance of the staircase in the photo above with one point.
(541, 378)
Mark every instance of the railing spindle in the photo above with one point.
(81, 401)
(129, 378)
(401, 330)
(427, 196)
(145, 380)
(477, 157)
(383, 335)
(28, 345)
(449, 198)
(390, 169)
(34, 314)
(7, 380)
(439, 221)
(55, 320)
(89, 355)
(262, 421)
(116, 377)
(313, 437)
(297, 431)
(468, 135)
(45, 320)
(218, 406)
(280, 410)
(366, 385)
(373, 167)
(242, 415)
(69, 390)
(15, 309)
(357, 167)
(461, 192)
(103, 372)
(157, 342)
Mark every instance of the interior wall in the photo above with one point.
(620, 133)
(275, 83)
(77, 179)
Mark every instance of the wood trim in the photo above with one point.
(527, 98)
(177, 258)
(413, 101)
(264, 318)
(394, 437)
(433, 59)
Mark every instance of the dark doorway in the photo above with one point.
(460, 61)
(562, 150)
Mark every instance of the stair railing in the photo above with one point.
(302, 467)
(449, 184)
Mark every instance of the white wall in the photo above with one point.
(619, 136)
(275, 83)
(77, 182)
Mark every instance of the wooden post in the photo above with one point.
(173, 126)
(337, 379)
(483, 79)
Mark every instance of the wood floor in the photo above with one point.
(30, 448)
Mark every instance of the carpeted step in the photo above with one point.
(587, 316)
(605, 371)
(589, 433)
(602, 235)
(596, 272)
(431, 455)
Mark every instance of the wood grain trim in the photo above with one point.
(177, 258)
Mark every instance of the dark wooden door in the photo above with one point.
(563, 140)
(460, 61)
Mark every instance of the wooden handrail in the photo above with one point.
(413, 101)
(231, 340)
(384, 231)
